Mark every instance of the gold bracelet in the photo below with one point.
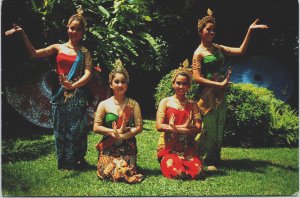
(131, 130)
(160, 114)
(197, 116)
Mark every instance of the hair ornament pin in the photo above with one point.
(185, 63)
(118, 68)
(206, 19)
(209, 12)
(183, 69)
(79, 16)
(80, 10)
(118, 64)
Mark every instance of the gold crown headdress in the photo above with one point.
(78, 16)
(183, 69)
(119, 68)
(204, 20)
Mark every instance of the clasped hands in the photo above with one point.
(180, 128)
(119, 132)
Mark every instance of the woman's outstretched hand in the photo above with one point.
(15, 29)
(254, 25)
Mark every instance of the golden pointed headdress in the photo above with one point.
(204, 20)
(183, 69)
(118, 68)
(79, 17)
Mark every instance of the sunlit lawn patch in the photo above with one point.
(29, 169)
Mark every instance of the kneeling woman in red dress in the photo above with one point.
(178, 120)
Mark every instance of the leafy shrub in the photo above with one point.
(254, 116)
(248, 116)
(285, 123)
(116, 29)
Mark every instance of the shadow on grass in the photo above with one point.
(146, 172)
(77, 172)
(147, 129)
(88, 167)
(246, 165)
(9, 184)
(217, 173)
(12, 151)
(16, 128)
(152, 129)
(256, 166)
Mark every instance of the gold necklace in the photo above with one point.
(70, 46)
(73, 47)
(181, 105)
(118, 106)
(207, 48)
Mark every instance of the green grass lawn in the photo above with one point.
(29, 169)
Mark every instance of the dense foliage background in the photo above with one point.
(150, 37)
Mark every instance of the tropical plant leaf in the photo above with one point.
(104, 12)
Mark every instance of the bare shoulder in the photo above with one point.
(220, 47)
(217, 45)
(198, 53)
(164, 100)
(56, 46)
(132, 103)
(104, 103)
(52, 48)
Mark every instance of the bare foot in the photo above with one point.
(211, 168)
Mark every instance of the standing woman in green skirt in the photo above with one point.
(208, 62)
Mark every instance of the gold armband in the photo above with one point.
(98, 119)
(138, 120)
(227, 50)
(196, 65)
(160, 114)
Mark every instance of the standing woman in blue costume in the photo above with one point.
(69, 101)
(208, 63)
